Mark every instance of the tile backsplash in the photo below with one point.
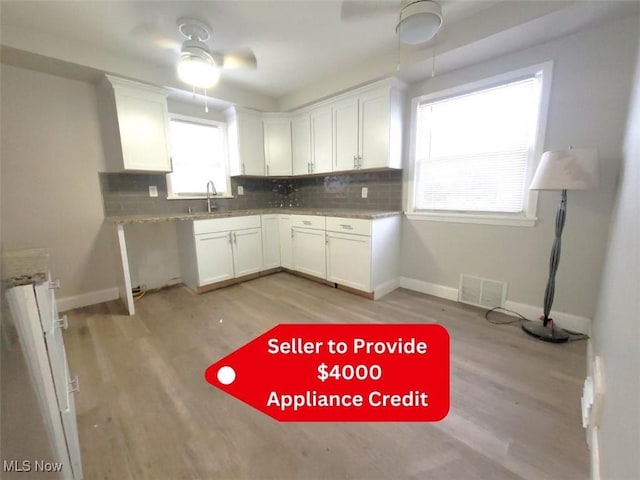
(128, 193)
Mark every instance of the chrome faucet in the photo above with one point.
(211, 191)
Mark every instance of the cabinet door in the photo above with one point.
(215, 257)
(60, 372)
(285, 241)
(247, 251)
(277, 146)
(250, 140)
(321, 140)
(308, 247)
(345, 124)
(143, 125)
(301, 137)
(349, 260)
(270, 241)
(374, 129)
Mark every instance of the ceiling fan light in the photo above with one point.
(197, 67)
(419, 22)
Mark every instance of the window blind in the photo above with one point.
(198, 156)
(472, 151)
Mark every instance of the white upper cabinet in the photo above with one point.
(358, 130)
(380, 129)
(321, 140)
(301, 142)
(135, 124)
(277, 146)
(246, 142)
(368, 129)
(345, 128)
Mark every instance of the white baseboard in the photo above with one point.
(85, 299)
(429, 288)
(568, 321)
(386, 288)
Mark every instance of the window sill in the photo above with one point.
(504, 220)
(196, 197)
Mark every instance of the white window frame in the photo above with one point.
(225, 145)
(528, 217)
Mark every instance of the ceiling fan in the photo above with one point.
(418, 20)
(198, 65)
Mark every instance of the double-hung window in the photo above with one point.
(199, 155)
(475, 149)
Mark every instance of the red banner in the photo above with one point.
(341, 373)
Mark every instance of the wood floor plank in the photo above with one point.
(146, 412)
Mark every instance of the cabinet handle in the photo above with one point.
(235, 238)
(243, 168)
(54, 284)
(313, 167)
(292, 233)
(61, 323)
(346, 226)
(359, 162)
(74, 385)
(230, 239)
(171, 163)
(267, 170)
(309, 167)
(326, 239)
(306, 222)
(355, 161)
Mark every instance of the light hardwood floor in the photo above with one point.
(146, 412)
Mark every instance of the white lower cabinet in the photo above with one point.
(214, 252)
(247, 251)
(361, 254)
(308, 251)
(286, 241)
(308, 245)
(219, 249)
(349, 260)
(271, 241)
(35, 315)
(357, 253)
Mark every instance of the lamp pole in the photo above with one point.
(551, 333)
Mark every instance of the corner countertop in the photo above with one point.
(24, 267)
(345, 213)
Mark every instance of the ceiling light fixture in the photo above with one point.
(419, 22)
(196, 65)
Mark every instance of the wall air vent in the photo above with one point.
(482, 292)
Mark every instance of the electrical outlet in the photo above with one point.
(240, 190)
(153, 191)
(365, 192)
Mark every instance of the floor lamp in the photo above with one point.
(572, 169)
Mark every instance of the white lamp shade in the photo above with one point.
(419, 22)
(572, 169)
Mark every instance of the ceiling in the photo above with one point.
(300, 45)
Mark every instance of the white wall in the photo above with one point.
(592, 76)
(616, 328)
(51, 155)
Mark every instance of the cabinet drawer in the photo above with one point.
(213, 225)
(357, 226)
(308, 221)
